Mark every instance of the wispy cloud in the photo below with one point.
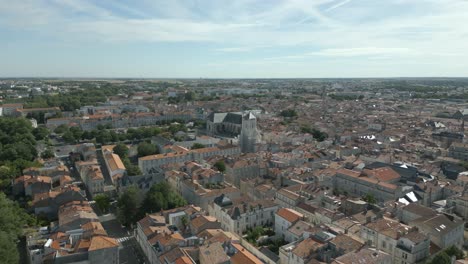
(335, 6)
(362, 51)
(295, 31)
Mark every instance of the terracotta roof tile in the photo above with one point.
(289, 215)
(102, 242)
(243, 256)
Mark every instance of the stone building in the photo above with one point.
(235, 124)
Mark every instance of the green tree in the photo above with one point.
(61, 129)
(12, 220)
(102, 201)
(103, 136)
(219, 165)
(146, 149)
(370, 198)
(128, 205)
(47, 154)
(161, 197)
(197, 146)
(77, 132)
(288, 113)
(6, 175)
(8, 250)
(190, 96)
(41, 133)
(17, 143)
(441, 258)
(132, 170)
(454, 251)
(317, 134)
(69, 137)
(184, 220)
(121, 150)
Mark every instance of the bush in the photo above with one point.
(288, 113)
(219, 165)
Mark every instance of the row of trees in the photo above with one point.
(86, 95)
(343, 97)
(132, 206)
(104, 135)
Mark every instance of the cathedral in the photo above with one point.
(235, 124)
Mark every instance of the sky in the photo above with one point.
(233, 38)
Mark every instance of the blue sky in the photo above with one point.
(233, 38)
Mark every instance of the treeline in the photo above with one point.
(131, 207)
(342, 97)
(74, 99)
(105, 135)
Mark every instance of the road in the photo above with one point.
(130, 252)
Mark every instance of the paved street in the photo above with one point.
(130, 252)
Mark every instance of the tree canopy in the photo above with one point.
(12, 220)
(128, 205)
(288, 113)
(445, 256)
(161, 197)
(102, 201)
(220, 165)
(317, 134)
(197, 146)
(132, 170)
(121, 150)
(17, 147)
(146, 149)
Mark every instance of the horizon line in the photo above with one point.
(230, 78)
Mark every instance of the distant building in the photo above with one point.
(458, 151)
(148, 164)
(382, 183)
(9, 109)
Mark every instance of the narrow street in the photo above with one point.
(130, 252)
